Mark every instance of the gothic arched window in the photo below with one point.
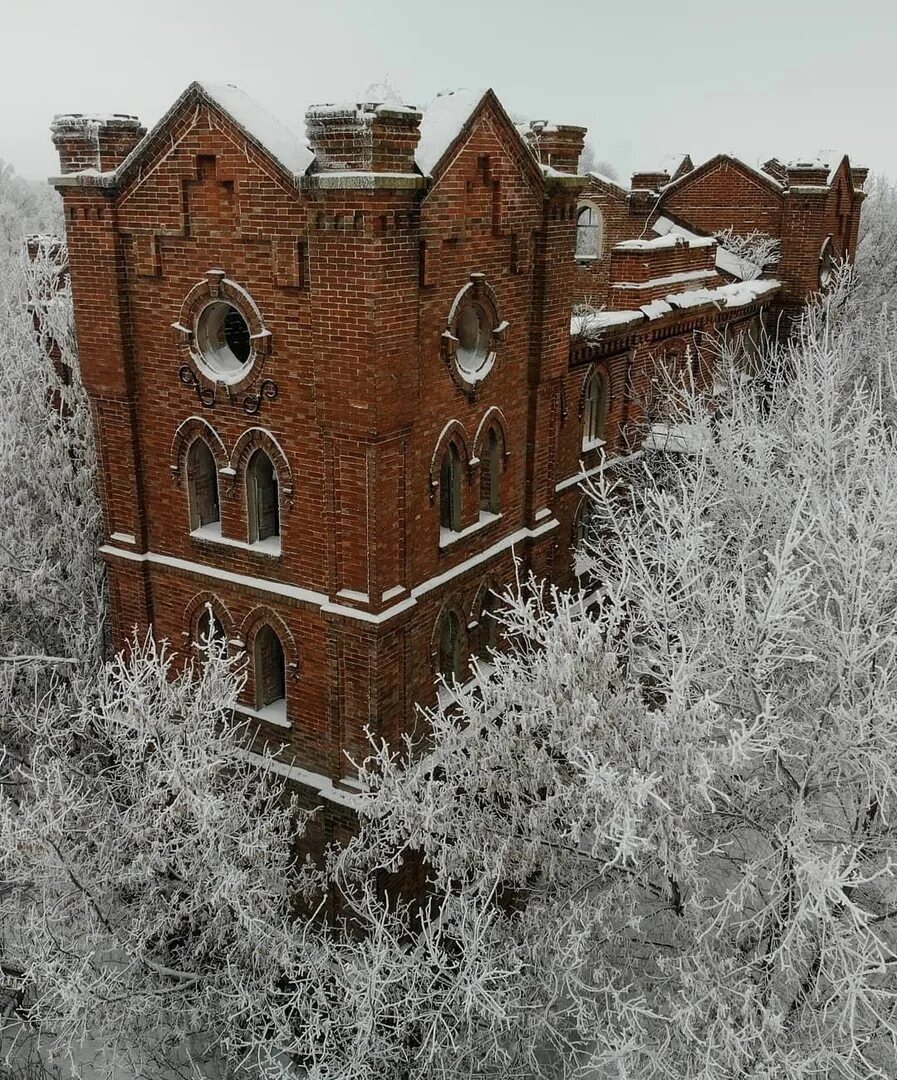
(262, 496)
(594, 413)
(589, 230)
(450, 489)
(489, 625)
(270, 668)
(490, 473)
(450, 646)
(209, 629)
(202, 485)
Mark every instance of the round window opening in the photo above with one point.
(474, 338)
(224, 341)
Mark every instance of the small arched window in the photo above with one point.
(583, 522)
(270, 669)
(589, 229)
(209, 629)
(450, 489)
(450, 646)
(490, 473)
(262, 495)
(202, 485)
(489, 624)
(826, 264)
(594, 413)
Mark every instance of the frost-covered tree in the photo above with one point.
(757, 250)
(876, 257)
(26, 206)
(660, 839)
(151, 864)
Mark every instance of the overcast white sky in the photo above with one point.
(755, 78)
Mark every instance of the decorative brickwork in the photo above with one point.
(400, 286)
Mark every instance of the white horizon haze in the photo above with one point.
(756, 80)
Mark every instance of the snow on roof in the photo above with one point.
(668, 238)
(607, 180)
(766, 177)
(442, 122)
(740, 268)
(600, 320)
(281, 142)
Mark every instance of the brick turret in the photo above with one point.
(363, 138)
(557, 145)
(94, 142)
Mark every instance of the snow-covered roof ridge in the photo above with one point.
(671, 237)
(607, 180)
(442, 122)
(766, 178)
(283, 143)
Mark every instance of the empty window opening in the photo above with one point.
(450, 647)
(594, 417)
(589, 228)
(490, 473)
(270, 669)
(209, 630)
(489, 625)
(202, 483)
(262, 492)
(450, 489)
(224, 341)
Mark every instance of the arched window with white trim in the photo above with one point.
(450, 489)
(490, 472)
(263, 498)
(589, 232)
(270, 670)
(594, 412)
(202, 485)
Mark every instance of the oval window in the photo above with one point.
(224, 341)
(473, 336)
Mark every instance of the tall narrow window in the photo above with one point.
(270, 669)
(489, 626)
(262, 493)
(202, 483)
(450, 646)
(594, 415)
(490, 473)
(589, 227)
(209, 629)
(450, 489)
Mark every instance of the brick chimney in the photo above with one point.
(94, 142)
(649, 181)
(858, 174)
(363, 138)
(557, 145)
(807, 174)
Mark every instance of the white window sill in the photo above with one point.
(212, 533)
(587, 258)
(592, 444)
(275, 713)
(447, 537)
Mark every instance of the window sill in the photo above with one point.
(592, 444)
(447, 537)
(585, 259)
(275, 713)
(212, 534)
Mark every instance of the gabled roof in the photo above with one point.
(278, 141)
(721, 159)
(443, 121)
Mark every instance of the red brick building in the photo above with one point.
(333, 380)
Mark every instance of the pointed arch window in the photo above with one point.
(209, 629)
(202, 485)
(263, 498)
(450, 646)
(450, 489)
(594, 414)
(589, 232)
(270, 670)
(489, 625)
(490, 473)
